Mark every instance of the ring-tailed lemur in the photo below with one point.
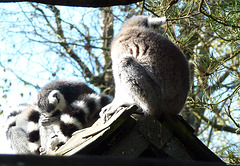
(57, 95)
(149, 70)
(63, 107)
(23, 129)
(67, 106)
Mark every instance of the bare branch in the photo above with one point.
(62, 40)
(228, 111)
(20, 78)
(215, 125)
(229, 96)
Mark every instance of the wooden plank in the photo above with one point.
(154, 131)
(193, 145)
(96, 133)
(131, 143)
(90, 160)
(176, 150)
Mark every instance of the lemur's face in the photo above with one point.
(52, 102)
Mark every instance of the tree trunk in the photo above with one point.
(107, 36)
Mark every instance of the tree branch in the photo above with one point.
(228, 111)
(60, 34)
(20, 78)
(215, 125)
(204, 12)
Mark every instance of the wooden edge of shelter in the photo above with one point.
(124, 135)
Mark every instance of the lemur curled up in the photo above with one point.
(23, 129)
(63, 107)
(67, 106)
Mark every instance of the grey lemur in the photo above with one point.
(63, 107)
(67, 106)
(149, 70)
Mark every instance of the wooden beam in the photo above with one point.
(82, 3)
(34, 160)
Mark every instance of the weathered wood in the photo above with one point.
(168, 138)
(31, 160)
(82, 3)
(175, 150)
(191, 143)
(96, 133)
(154, 131)
(131, 143)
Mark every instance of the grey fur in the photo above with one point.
(22, 129)
(149, 70)
(63, 107)
(66, 106)
(71, 90)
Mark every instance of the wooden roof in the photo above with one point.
(124, 135)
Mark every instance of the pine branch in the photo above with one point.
(204, 12)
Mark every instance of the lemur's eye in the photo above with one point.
(57, 97)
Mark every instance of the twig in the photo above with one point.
(228, 112)
(18, 77)
(171, 4)
(216, 126)
(235, 90)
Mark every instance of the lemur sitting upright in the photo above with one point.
(149, 70)
(64, 107)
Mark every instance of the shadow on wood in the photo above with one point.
(125, 136)
(31, 160)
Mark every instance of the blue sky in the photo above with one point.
(28, 59)
(27, 66)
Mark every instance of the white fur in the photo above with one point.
(51, 98)
(59, 101)
(97, 100)
(10, 120)
(31, 126)
(156, 20)
(70, 120)
(81, 104)
(33, 147)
